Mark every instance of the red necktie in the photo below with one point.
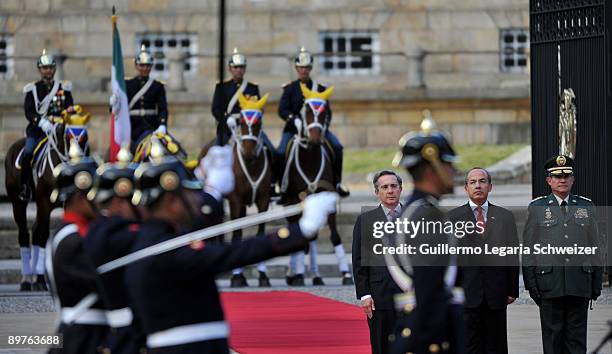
(480, 219)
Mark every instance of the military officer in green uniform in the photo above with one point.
(562, 284)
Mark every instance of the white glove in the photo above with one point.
(45, 125)
(317, 208)
(231, 122)
(216, 166)
(298, 123)
(160, 129)
(115, 103)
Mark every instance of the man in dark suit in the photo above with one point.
(490, 284)
(562, 284)
(373, 284)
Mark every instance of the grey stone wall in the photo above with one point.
(433, 52)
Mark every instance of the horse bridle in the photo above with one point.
(238, 138)
(249, 121)
(313, 104)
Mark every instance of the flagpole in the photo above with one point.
(221, 55)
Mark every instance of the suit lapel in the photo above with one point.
(381, 214)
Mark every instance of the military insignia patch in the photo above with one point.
(561, 161)
(169, 181)
(581, 213)
(83, 180)
(547, 213)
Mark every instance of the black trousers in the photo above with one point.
(486, 330)
(382, 324)
(564, 325)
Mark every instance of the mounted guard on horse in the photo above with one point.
(53, 122)
(312, 164)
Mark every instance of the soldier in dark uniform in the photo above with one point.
(187, 317)
(71, 273)
(109, 237)
(289, 109)
(147, 100)
(561, 284)
(430, 316)
(44, 99)
(225, 99)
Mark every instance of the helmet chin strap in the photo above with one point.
(430, 153)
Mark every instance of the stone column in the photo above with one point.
(60, 58)
(414, 67)
(176, 68)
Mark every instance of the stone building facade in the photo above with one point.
(467, 61)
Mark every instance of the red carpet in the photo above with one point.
(294, 322)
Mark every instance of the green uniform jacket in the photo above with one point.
(556, 275)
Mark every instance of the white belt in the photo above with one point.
(143, 112)
(87, 317)
(192, 333)
(120, 318)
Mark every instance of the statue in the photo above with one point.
(567, 123)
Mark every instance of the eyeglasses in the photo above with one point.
(384, 187)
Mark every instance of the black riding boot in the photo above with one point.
(337, 167)
(25, 192)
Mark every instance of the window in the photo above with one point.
(349, 53)
(158, 44)
(514, 50)
(6, 56)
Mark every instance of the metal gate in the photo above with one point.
(570, 49)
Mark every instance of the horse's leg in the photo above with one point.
(20, 216)
(263, 202)
(237, 210)
(40, 234)
(13, 185)
(347, 279)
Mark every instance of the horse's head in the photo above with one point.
(250, 127)
(313, 117)
(75, 127)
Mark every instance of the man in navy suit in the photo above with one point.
(373, 284)
(490, 282)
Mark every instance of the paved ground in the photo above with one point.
(33, 314)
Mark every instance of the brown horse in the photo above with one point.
(253, 173)
(308, 170)
(51, 151)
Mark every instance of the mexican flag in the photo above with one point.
(120, 129)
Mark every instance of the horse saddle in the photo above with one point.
(38, 153)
